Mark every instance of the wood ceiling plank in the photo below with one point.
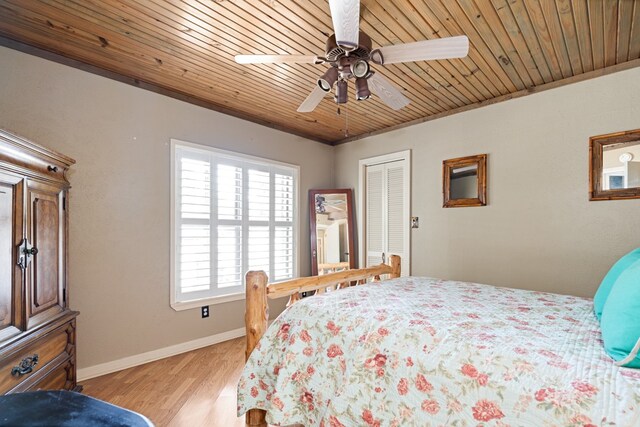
(625, 19)
(102, 60)
(448, 95)
(596, 26)
(565, 13)
(474, 16)
(610, 9)
(185, 49)
(221, 84)
(204, 32)
(521, 58)
(477, 49)
(469, 66)
(521, 17)
(142, 71)
(535, 63)
(457, 68)
(534, 10)
(555, 29)
(403, 13)
(376, 112)
(267, 72)
(634, 41)
(581, 16)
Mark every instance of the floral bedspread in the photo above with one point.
(418, 351)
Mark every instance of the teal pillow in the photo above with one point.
(607, 283)
(620, 322)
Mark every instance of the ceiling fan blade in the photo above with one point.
(277, 59)
(425, 50)
(312, 101)
(389, 94)
(345, 15)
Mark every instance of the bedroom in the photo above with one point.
(539, 230)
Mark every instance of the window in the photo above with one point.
(231, 213)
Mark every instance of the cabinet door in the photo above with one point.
(11, 233)
(46, 232)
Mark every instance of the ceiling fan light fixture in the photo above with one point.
(362, 89)
(341, 92)
(360, 68)
(328, 79)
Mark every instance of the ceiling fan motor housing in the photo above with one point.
(333, 52)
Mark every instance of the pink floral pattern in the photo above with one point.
(418, 351)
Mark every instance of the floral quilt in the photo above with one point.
(418, 351)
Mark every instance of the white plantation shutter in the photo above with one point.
(232, 213)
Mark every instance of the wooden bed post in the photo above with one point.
(394, 260)
(256, 317)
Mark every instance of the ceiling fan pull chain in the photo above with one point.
(346, 120)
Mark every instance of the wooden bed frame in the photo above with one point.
(257, 309)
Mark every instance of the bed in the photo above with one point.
(421, 351)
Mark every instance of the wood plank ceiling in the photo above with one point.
(186, 47)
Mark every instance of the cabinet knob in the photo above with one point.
(25, 366)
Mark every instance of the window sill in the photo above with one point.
(196, 303)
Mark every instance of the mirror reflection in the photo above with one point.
(332, 231)
(614, 167)
(464, 182)
(621, 166)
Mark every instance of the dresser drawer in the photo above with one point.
(55, 347)
(59, 378)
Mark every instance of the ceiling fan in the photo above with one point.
(349, 53)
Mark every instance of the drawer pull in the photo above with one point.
(26, 366)
(52, 168)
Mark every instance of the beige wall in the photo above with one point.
(539, 230)
(119, 203)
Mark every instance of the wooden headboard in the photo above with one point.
(259, 290)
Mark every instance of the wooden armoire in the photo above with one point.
(37, 328)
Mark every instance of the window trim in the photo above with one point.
(185, 305)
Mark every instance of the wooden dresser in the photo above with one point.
(37, 329)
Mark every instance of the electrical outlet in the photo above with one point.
(205, 311)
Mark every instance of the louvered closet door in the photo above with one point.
(387, 213)
(375, 214)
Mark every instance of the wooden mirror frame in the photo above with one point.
(312, 226)
(596, 151)
(448, 165)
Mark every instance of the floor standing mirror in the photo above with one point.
(331, 227)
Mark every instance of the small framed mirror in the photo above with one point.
(464, 181)
(331, 226)
(614, 168)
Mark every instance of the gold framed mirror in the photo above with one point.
(614, 166)
(331, 226)
(464, 181)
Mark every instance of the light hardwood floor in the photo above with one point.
(192, 389)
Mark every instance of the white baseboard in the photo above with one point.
(161, 353)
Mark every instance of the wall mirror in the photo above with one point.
(614, 169)
(331, 226)
(464, 181)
